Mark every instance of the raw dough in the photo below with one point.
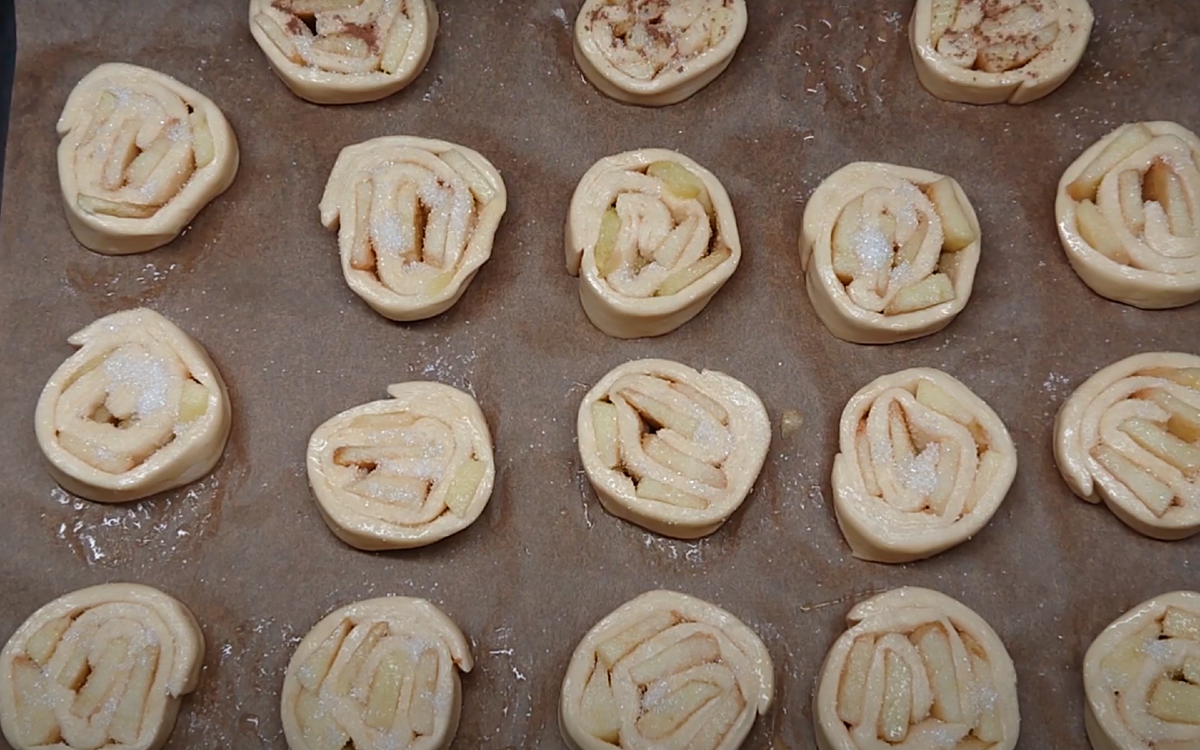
(656, 52)
(924, 465)
(889, 252)
(140, 155)
(381, 674)
(1130, 436)
(404, 472)
(916, 670)
(103, 667)
(139, 409)
(379, 197)
(1142, 677)
(345, 51)
(665, 670)
(995, 51)
(1129, 215)
(673, 450)
(652, 236)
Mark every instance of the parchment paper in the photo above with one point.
(816, 84)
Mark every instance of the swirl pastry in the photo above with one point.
(140, 155)
(404, 472)
(380, 674)
(652, 237)
(345, 51)
(657, 52)
(1130, 436)
(415, 220)
(1129, 215)
(889, 252)
(139, 409)
(994, 51)
(1142, 677)
(103, 667)
(916, 670)
(923, 465)
(665, 670)
(671, 449)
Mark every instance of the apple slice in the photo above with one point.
(845, 257)
(1154, 494)
(1191, 670)
(1129, 186)
(36, 724)
(41, 645)
(318, 728)
(665, 716)
(943, 18)
(616, 647)
(721, 718)
(1176, 702)
(483, 190)
(399, 34)
(351, 670)
(119, 209)
(680, 182)
(685, 277)
(143, 166)
(933, 290)
(660, 414)
(669, 457)
(312, 672)
(1164, 186)
(607, 259)
(988, 727)
(362, 253)
(947, 474)
(1128, 140)
(103, 680)
(862, 447)
(903, 450)
(390, 488)
(74, 669)
(935, 397)
(342, 45)
(853, 688)
(894, 716)
(131, 709)
(1098, 233)
(604, 424)
(279, 37)
(696, 649)
(598, 715)
(1188, 377)
(1164, 445)
(912, 246)
(652, 489)
(463, 487)
(990, 463)
(1184, 419)
(1124, 662)
(384, 696)
(422, 707)
(955, 224)
(193, 401)
(943, 677)
(1177, 623)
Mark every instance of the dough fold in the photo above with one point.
(138, 410)
(665, 670)
(916, 670)
(102, 667)
(652, 236)
(139, 156)
(671, 449)
(382, 674)
(1130, 436)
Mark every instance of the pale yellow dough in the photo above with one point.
(995, 51)
(1128, 213)
(889, 252)
(140, 155)
(923, 465)
(652, 237)
(1141, 677)
(138, 410)
(103, 667)
(345, 51)
(916, 670)
(671, 449)
(381, 674)
(657, 52)
(665, 670)
(415, 219)
(404, 472)
(1130, 436)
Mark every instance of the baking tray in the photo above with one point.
(256, 280)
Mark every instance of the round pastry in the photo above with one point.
(345, 51)
(1142, 677)
(138, 410)
(140, 155)
(923, 465)
(1130, 436)
(994, 51)
(665, 670)
(671, 449)
(380, 674)
(652, 236)
(1129, 215)
(656, 52)
(916, 669)
(404, 472)
(415, 220)
(889, 253)
(103, 667)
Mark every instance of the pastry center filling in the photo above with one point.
(370, 686)
(670, 439)
(994, 36)
(659, 233)
(896, 249)
(349, 37)
(931, 687)
(647, 39)
(1150, 441)
(1155, 676)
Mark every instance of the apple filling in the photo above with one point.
(646, 39)
(994, 36)
(659, 234)
(349, 37)
(895, 248)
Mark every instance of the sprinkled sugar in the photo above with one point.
(143, 373)
(919, 474)
(873, 248)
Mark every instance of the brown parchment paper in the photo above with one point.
(255, 279)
